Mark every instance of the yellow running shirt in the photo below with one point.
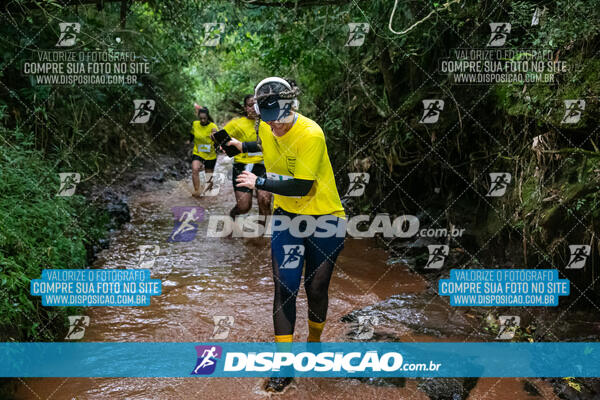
(302, 153)
(243, 130)
(203, 144)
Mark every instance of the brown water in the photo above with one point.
(231, 276)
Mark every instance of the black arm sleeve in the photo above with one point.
(290, 187)
(251, 147)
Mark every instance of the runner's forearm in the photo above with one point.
(290, 187)
(251, 147)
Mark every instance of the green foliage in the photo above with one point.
(46, 231)
(85, 127)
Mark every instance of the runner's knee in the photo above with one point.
(243, 209)
(244, 205)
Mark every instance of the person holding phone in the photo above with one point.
(247, 128)
(300, 176)
(204, 155)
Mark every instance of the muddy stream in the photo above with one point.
(232, 276)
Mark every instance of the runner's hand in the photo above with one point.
(246, 179)
(235, 143)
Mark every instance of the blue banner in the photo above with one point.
(299, 359)
(95, 287)
(504, 287)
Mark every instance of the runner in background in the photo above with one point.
(244, 129)
(204, 155)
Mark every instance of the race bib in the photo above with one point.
(204, 148)
(257, 153)
(278, 177)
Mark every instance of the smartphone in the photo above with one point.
(220, 138)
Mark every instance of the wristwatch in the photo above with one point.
(260, 181)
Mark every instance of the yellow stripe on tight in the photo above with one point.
(283, 338)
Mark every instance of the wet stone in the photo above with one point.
(447, 388)
(423, 313)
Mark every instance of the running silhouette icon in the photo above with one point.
(357, 32)
(500, 181)
(437, 255)
(142, 111)
(573, 111)
(358, 183)
(186, 227)
(77, 325)
(431, 111)
(579, 255)
(292, 256)
(207, 359)
(500, 31)
(68, 183)
(223, 324)
(68, 34)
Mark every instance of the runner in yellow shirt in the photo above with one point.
(244, 130)
(308, 219)
(204, 149)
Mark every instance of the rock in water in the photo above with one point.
(447, 388)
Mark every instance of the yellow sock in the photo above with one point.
(314, 330)
(283, 343)
(283, 338)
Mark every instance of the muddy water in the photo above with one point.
(231, 276)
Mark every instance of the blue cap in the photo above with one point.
(272, 109)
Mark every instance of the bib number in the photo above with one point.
(278, 177)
